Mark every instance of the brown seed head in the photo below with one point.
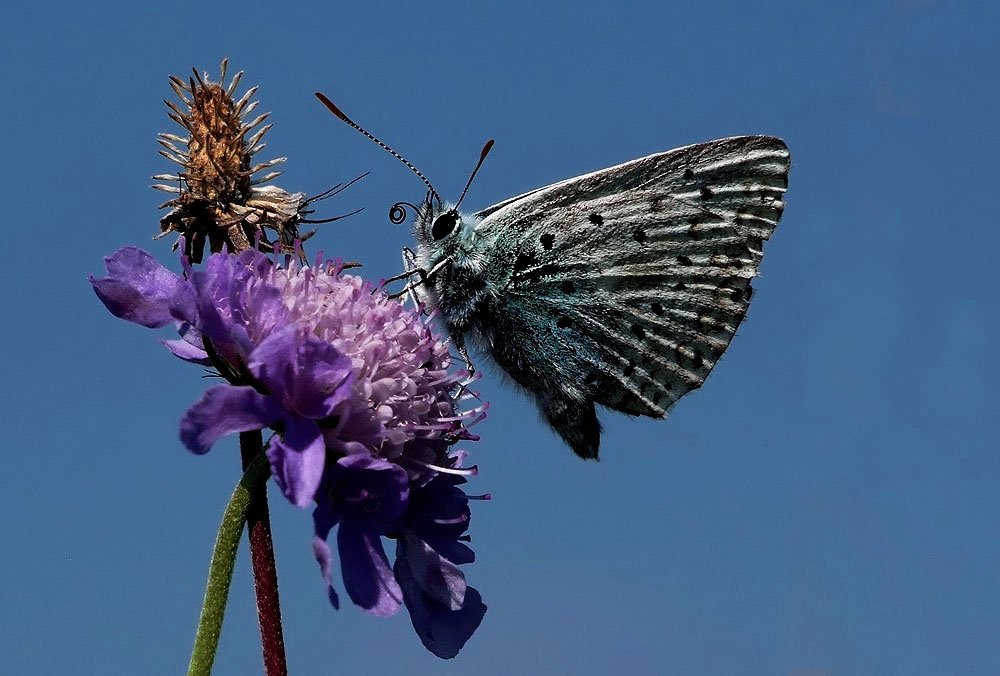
(218, 160)
(221, 198)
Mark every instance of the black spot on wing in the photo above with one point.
(684, 260)
(547, 240)
(596, 219)
(630, 369)
(639, 332)
(639, 235)
(706, 193)
(657, 308)
(524, 261)
(567, 286)
(688, 174)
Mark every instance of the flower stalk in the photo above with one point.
(265, 572)
(220, 573)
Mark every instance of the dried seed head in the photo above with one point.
(217, 159)
(221, 198)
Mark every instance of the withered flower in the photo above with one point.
(221, 194)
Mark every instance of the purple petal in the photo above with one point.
(213, 283)
(256, 263)
(324, 556)
(269, 311)
(325, 516)
(451, 549)
(231, 296)
(187, 351)
(140, 290)
(297, 458)
(367, 576)
(191, 347)
(377, 486)
(223, 410)
(441, 516)
(438, 577)
(309, 374)
(441, 630)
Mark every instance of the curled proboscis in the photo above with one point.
(397, 214)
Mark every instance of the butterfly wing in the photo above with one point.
(623, 287)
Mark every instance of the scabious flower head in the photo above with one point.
(365, 408)
(221, 197)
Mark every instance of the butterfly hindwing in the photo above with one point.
(624, 287)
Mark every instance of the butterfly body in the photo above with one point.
(622, 287)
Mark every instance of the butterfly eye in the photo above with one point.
(443, 225)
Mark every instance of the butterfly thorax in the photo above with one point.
(449, 248)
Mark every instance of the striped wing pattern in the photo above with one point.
(639, 274)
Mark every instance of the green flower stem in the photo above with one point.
(220, 573)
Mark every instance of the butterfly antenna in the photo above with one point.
(482, 156)
(339, 113)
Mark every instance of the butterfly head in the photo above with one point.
(439, 228)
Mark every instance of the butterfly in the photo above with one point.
(622, 287)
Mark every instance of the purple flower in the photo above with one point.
(428, 553)
(367, 497)
(364, 408)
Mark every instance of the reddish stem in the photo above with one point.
(265, 573)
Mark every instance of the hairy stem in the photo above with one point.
(265, 573)
(220, 573)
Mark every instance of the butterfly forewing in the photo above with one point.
(625, 286)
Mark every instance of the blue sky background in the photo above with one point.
(826, 504)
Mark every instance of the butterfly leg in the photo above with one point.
(402, 275)
(411, 290)
(411, 269)
(464, 351)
